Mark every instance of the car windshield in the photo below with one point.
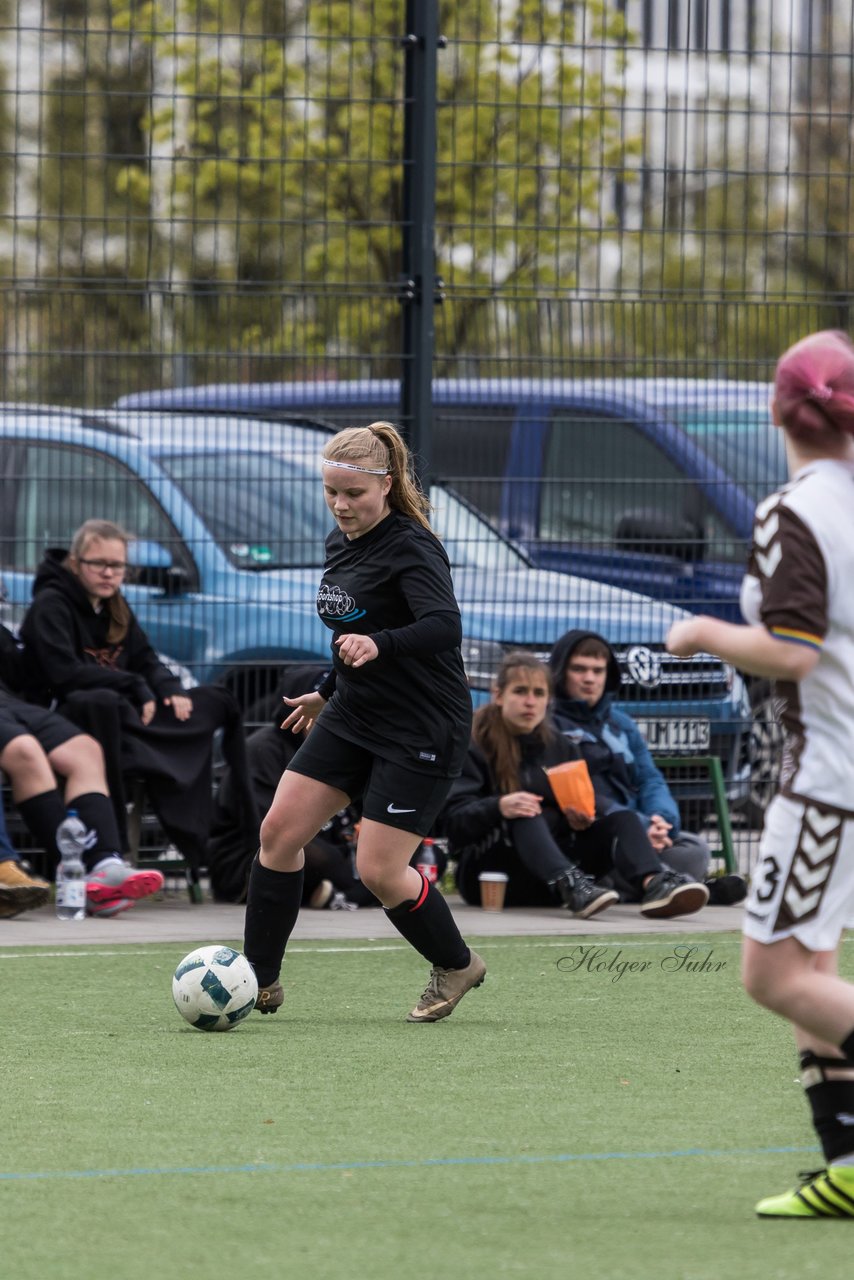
(267, 511)
(744, 442)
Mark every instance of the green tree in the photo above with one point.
(83, 262)
(820, 240)
(709, 297)
(282, 135)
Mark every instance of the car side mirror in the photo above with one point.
(152, 566)
(649, 532)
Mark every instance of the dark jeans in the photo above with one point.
(618, 842)
(537, 852)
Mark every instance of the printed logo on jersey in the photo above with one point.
(818, 846)
(334, 603)
(766, 545)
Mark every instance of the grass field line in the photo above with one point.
(320, 948)
(427, 1162)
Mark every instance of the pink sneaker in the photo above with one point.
(109, 907)
(114, 878)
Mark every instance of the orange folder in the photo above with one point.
(572, 787)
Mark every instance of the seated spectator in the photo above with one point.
(36, 745)
(85, 649)
(633, 802)
(330, 879)
(501, 814)
(18, 890)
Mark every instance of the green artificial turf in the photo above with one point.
(569, 1119)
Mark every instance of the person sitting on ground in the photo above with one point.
(35, 746)
(634, 805)
(330, 880)
(84, 648)
(502, 815)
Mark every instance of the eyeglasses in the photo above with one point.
(105, 566)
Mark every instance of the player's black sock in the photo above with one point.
(42, 815)
(272, 907)
(427, 925)
(829, 1086)
(97, 812)
(847, 1047)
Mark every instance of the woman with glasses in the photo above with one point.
(86, 652)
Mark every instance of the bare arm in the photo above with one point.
(752, 649)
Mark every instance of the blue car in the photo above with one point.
(230, 523)
(644, 483)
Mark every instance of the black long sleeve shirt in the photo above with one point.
(412, 703)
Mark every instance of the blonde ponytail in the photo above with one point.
(383, 445)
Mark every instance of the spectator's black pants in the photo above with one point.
(618, 842)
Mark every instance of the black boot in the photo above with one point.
(581, 895)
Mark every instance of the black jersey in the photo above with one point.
(412, 703)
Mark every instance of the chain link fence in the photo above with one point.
(636, 205)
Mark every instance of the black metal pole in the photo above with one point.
(418, 284)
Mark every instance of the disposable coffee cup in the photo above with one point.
(492, 888)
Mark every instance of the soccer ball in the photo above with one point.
(214, 988)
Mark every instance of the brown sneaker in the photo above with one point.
(446, 989)
(270, 998)
(19, 891)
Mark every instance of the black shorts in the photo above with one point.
(48, 728)
(388, 793)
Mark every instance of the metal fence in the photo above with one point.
(543, 207)
(196, 192)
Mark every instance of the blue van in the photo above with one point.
(645, 483)
(230, 521)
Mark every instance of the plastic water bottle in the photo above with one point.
(72, 838)
(426, 862)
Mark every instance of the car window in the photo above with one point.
(745, 444)
(470, 443)
(598, 470)
(470, 542)
(470, 448)
(59, 486)
(267, 511)
(264, 511)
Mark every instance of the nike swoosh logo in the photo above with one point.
(391, 809)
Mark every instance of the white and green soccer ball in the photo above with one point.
(214, 988)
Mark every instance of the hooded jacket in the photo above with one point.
(66, 645)
(621, 768)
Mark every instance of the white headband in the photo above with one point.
(351, 466)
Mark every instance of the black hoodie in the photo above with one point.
(560, 655)
(66, 645)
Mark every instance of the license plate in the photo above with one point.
(664, 736)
